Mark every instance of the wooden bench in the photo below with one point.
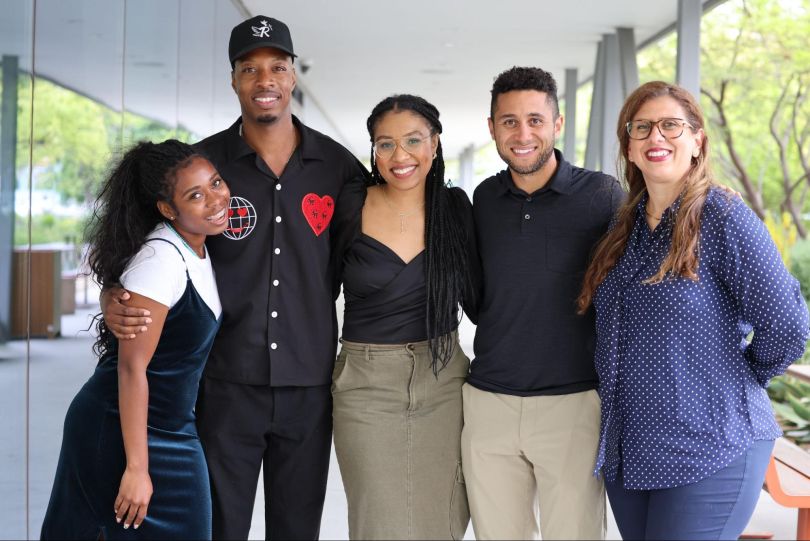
(799, 371)
(787, 480)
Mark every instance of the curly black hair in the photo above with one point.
(126, 211)
(523, 78)
(446, 271)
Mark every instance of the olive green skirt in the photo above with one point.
(397, 439)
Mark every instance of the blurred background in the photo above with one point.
(80, 80)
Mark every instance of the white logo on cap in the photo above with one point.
(262, 31)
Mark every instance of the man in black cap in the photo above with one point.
(265, 397)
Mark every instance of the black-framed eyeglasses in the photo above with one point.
(385, 148)
(670, 128)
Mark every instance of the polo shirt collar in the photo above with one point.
(238, 147)
(561, 181)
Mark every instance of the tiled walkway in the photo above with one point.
(59, 367)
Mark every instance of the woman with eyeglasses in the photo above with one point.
(685, 274)
(409, 261)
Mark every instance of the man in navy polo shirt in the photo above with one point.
(531, 410)
(265, 396)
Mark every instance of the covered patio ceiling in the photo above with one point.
(352, 53)
(448, 51)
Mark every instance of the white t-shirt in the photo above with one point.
(157, 271)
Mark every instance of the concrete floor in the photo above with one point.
(56, 371)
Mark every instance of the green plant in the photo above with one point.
(790, 398)
(800, 265)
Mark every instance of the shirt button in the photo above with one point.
(529, 199)
(527, 216)
(278, 219)
(277, 251)
(273, 346)
(273, 314)
(275, 283)
(278, 186)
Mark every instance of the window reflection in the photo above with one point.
(107, 73)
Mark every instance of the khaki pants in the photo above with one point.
(397, 439)
(528, 455)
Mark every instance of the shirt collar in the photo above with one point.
(238, 147)
(561, 181)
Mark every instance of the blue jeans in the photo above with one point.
(717, 507)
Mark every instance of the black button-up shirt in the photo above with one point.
(273, 266)
(534, 250)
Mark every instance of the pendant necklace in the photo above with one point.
(403, 216)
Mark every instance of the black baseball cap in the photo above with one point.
(260, 31)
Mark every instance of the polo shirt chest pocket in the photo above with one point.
(568, 250)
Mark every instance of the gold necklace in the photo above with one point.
(403, 216)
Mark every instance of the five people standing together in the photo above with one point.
(676, 284)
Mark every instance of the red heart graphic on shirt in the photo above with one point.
(318, 211)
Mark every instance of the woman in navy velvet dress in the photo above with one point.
(131, 464)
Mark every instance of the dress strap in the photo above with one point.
(176, 248)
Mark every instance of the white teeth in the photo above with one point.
(657, 153)
(217, 216)
(404, 170)
(266, 100)
(521, 151)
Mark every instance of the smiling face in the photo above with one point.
(263, 80)
(405, 169)
(664, 160)
(524, 128)
(199, 205)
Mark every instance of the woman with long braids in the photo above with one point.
(685, 274)
(410, 261)
(131, 464)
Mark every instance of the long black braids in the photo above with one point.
(126, 212)
(446, 269)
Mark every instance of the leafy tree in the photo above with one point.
(76, 138)
(71, 143)
(755, 75)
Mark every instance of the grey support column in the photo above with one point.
(466, 169)
(612, 103)
(594, 141)
(570, 140)
(8, 161)
(627, 52)
(688, 61)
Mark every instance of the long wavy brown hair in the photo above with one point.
(682, 259)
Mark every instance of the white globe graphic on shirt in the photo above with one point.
(241, 218)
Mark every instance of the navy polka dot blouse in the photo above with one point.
(683, 391)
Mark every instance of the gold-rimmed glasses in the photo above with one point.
(386, 146)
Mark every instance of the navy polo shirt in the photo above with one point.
(535, 249)
(273, 266)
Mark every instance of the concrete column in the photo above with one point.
(688, 60)
(594, 141)
(8, 166)
(612, 103)
(466, 169)
(627, 54)
(570, 138)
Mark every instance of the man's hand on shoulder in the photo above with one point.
(125, 322)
